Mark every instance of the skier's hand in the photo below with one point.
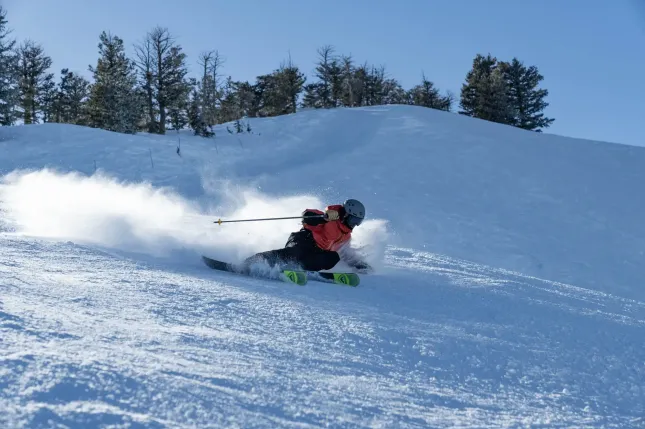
(362, 267)
(312, 217)
(331, 215)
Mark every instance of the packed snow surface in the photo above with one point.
(508, 288)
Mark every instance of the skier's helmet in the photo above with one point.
(354, 212)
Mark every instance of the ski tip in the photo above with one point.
(349, 279)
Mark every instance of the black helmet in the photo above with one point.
(354, 212)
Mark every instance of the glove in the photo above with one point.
(331, 215)
(362, 267)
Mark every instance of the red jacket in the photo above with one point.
(329, 235)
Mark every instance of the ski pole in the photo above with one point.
(220, 221)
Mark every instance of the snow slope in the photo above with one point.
(508, 289)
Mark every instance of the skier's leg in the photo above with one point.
(278, 257)
(300, 238)
(301, 252)
(308, 254)
(285, 258)
(291, 255)
(319, 259)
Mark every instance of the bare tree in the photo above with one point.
(162, 42)
(211, 63)
(163, 71)
(145, 64)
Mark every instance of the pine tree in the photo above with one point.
(9, 92)
(505, 92)
(313, 96)
(394, 93)
(348, 97)
(374, 86)
(340, 83)
(470, 97)
(526, 100)
(115, 103)
(230, 105)
(194, 111)
(49, 101)
(73, 93)
(319, 94)
(427, 95)
(359, 78)
(335, 75)
(178, 108)
(177, 87)
(248, 99)
(323, 73)
(33, 79)
(290, 82)
(277, 93)
(484, 95)
(196, 119)
(270, 99)
(493, 104)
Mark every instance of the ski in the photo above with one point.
(347, 279)
(289, 276)
(295, 276)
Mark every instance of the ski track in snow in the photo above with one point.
(93, 339)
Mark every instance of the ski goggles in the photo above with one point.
(353, 221)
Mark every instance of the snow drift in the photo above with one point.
(137, 217)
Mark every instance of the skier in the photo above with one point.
(316, 245)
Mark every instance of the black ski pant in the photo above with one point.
(300, 252)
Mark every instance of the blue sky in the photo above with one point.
(591, 52)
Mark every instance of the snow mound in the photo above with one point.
(549, 206)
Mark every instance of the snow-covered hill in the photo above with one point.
(508, 289)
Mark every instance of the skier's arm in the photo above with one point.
(332, 213)
(314, 220)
